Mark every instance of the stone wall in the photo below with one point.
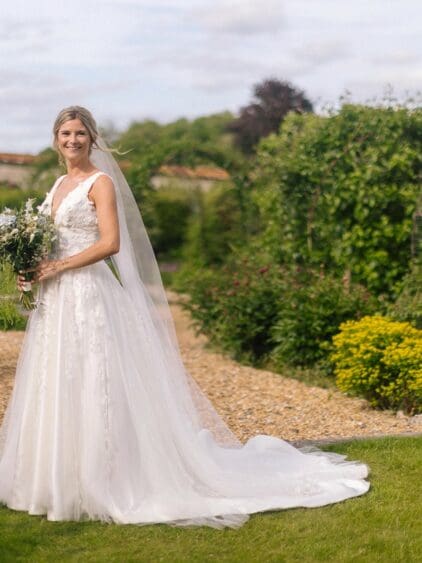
(159, 181)
(16, 175)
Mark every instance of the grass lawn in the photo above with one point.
(382, 526)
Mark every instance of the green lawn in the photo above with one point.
(382, 526)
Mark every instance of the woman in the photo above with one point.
(104, 421)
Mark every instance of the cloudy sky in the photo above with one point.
(133, 59)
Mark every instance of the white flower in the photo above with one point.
(6, 219)
(29, 205)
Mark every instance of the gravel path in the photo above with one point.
(255, 401)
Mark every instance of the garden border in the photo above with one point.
(334, 440)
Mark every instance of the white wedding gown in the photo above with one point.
(96, 428)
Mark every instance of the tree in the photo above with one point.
(341, 192)
(274, 100)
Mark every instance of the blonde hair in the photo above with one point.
(87, 119)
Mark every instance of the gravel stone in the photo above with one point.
(254, 401)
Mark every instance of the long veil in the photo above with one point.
(140, 277)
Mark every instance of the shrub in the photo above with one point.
(214, 227)
(408, 305)
(10, 317)
(342, 191)
(381, 360)
(310, 313)
(15, 197)
(236, 306)
(263, 312)
(168, 211)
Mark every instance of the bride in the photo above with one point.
(104, 422)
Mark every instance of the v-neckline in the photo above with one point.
(68, 193)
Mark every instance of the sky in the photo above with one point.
(129, 60)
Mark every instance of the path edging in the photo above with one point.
(334, 440)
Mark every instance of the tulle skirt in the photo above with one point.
(98, 428)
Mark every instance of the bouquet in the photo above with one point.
(25, 239)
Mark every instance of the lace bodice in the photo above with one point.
(75, 218)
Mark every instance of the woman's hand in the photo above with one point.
(20, 282)
(47, 269)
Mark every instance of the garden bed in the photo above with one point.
(254, 401)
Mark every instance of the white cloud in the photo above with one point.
(131, 59)
(399, 58)
(322, 51)
(241, 17)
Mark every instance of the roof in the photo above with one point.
(13, 158)
(172, 170)
(203, 172)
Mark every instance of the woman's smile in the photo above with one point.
(73, 139)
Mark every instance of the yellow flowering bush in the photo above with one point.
(381, 360)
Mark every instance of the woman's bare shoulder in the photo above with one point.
(102, 187)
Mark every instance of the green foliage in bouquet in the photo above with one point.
(381, 360)
(25, 239)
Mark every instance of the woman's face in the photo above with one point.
(73, 140)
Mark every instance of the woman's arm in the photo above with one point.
(103, 195)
